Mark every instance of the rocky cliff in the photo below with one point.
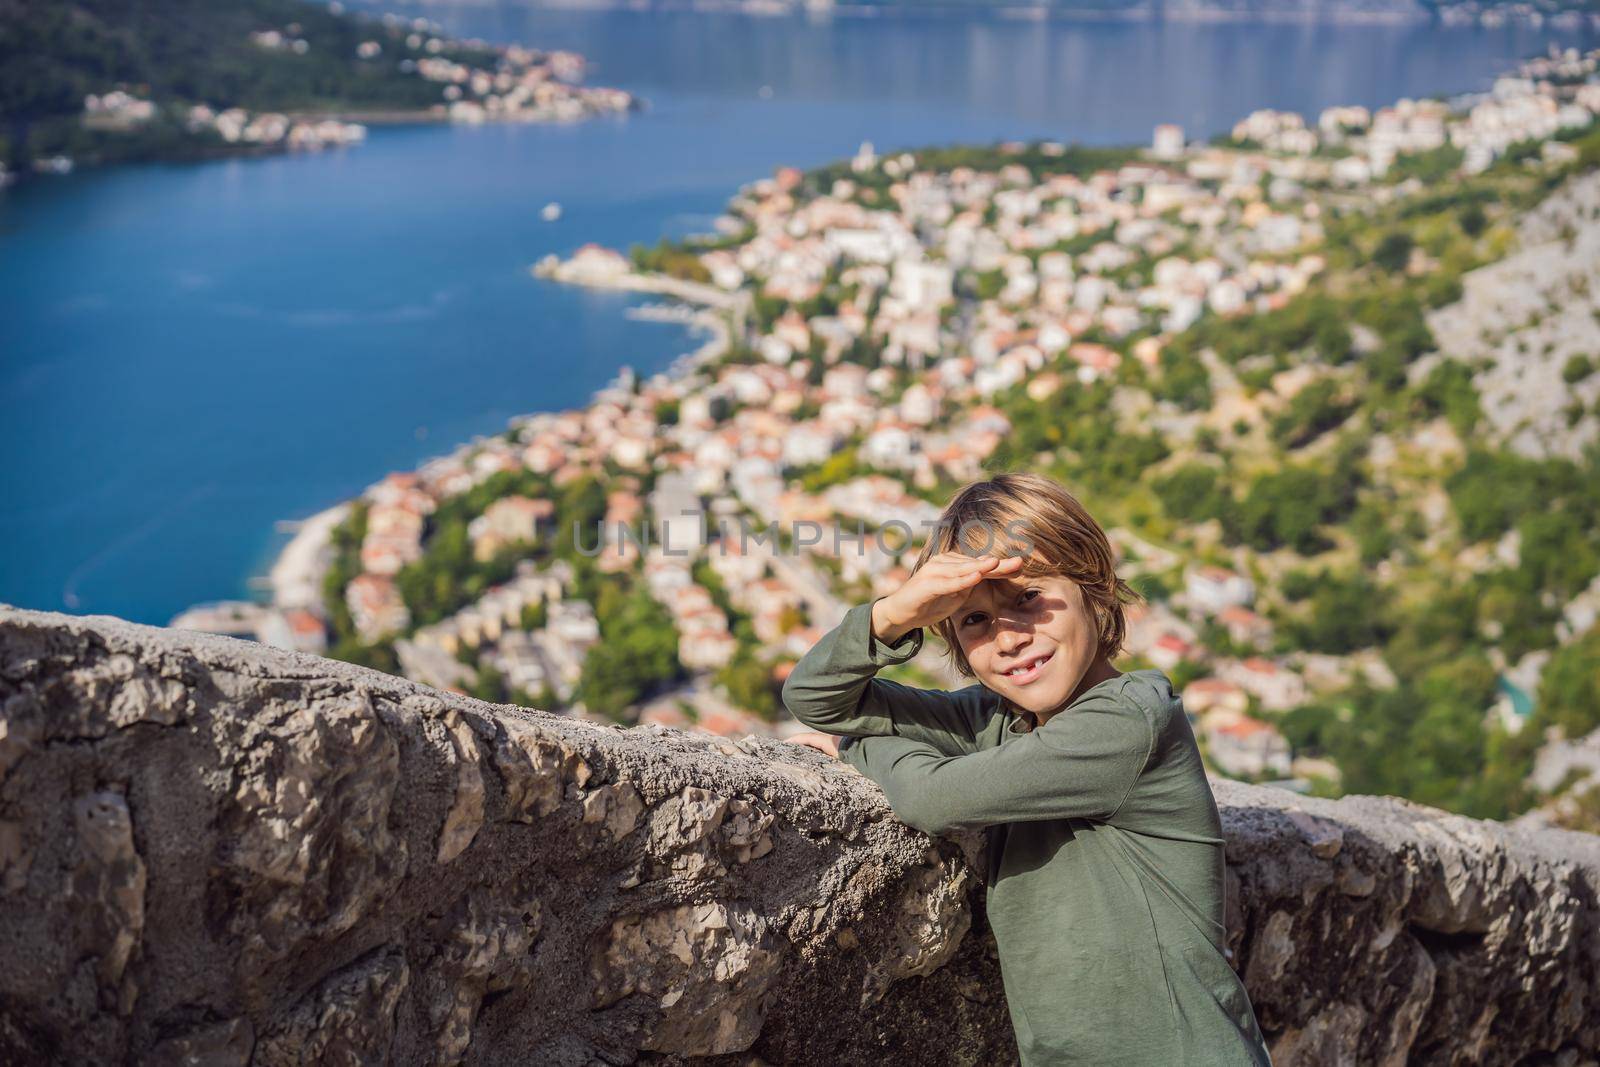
(1521, 321)
(214, 852)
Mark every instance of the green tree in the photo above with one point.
(1183, 380)
(1494, 489)
(1568, 686)
(1312, 412)
(749, 684)
(534, 616)
(1347, 612)
(491, 686)
(380, 656)
(346, 565)
(1286, 508)
(637, 654)
(1193, 493)
(842, 466)
(1394, 251)
(1448, 391)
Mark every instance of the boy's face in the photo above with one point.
(1029, 639)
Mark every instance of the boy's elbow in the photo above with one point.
(925, 812)
(795, 699)
(814, 707)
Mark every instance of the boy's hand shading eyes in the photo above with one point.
(826, 744)
(936, 590)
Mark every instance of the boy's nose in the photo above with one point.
(1011, 640)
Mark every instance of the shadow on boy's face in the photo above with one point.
(1004, 605)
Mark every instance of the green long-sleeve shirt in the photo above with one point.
(1105, 876)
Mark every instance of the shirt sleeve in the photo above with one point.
(1082, 763)
(833, 689)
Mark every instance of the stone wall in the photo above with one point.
(215, 852)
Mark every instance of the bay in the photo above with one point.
(189, 353)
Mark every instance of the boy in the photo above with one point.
(1105, 862)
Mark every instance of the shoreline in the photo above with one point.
(205, 152)
(294, 579)
(720, 312)
(296, 574)
(573, 272)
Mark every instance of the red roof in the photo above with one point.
(1173, 642)
(303, 622)
(1245, 727)
(1216, 686)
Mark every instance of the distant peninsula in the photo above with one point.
(103, 81)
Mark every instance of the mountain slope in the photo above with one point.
(181, 52)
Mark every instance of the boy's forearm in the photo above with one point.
(835, 689)
(905, 785)
(825, 689)
(937, 793)
(1083, 767)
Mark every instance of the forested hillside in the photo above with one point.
(276, 55)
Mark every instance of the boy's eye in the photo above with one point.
(973, 619)
(1029, 594)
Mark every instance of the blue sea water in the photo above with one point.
(190, 353)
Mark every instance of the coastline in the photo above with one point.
(274, 102)
(607, 276)
(720, 313)
(436, 115)
(295, 577)
(439, 114)
(296, 574)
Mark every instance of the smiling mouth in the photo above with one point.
(1027, 672)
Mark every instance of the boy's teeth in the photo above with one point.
(1026, 667)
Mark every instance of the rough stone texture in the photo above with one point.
(214, 852)
(1521, 318)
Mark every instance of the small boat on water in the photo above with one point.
(550, 212)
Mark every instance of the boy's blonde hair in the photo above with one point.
(1034, 517)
